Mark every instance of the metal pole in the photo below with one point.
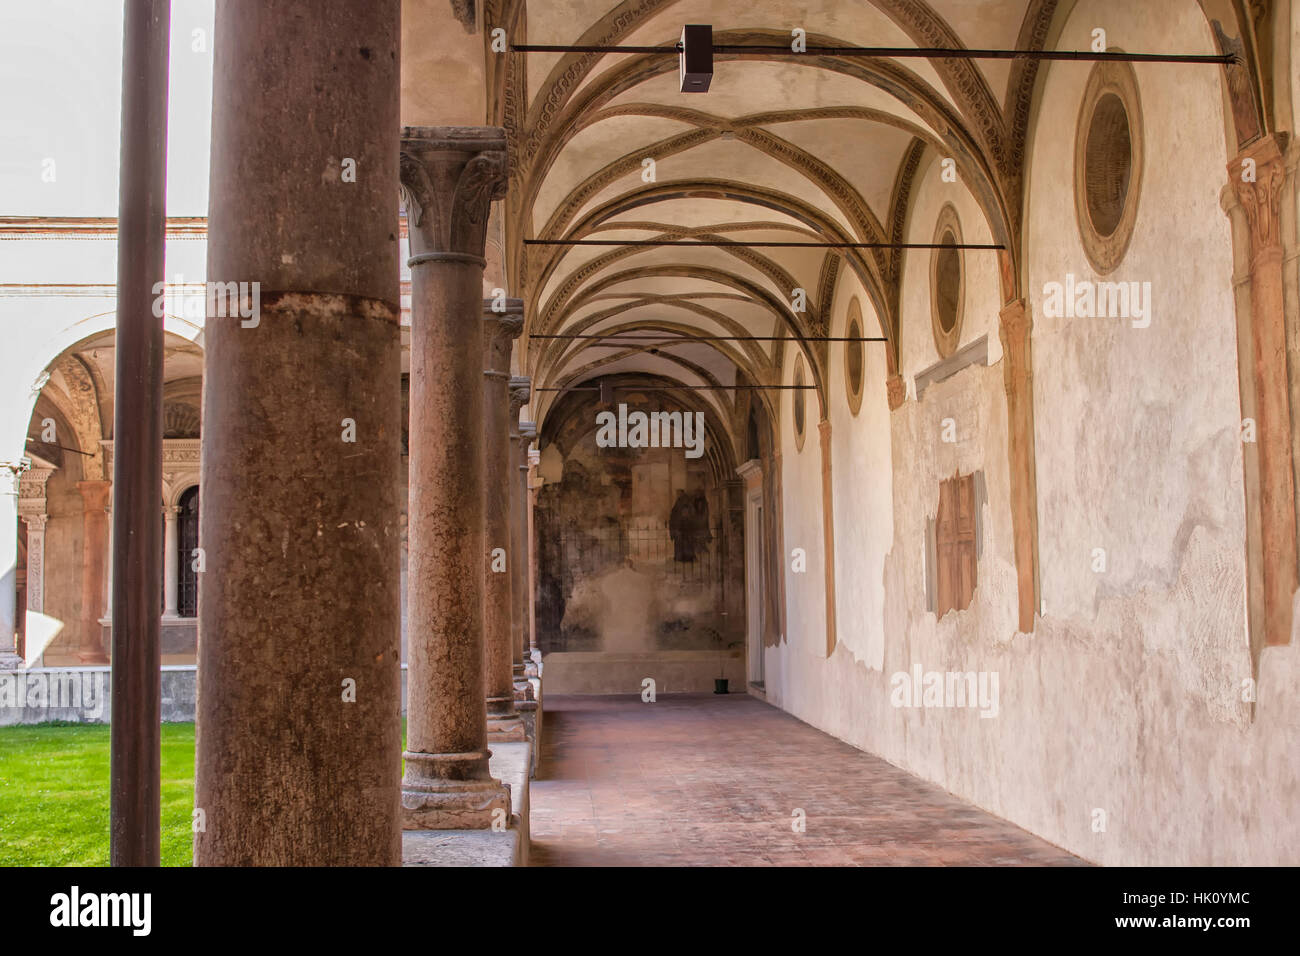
(137, 441)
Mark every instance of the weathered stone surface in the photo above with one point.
(298, 733)
(460, 848)
(500, 330)
(450, 175)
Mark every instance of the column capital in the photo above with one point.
(520, 392)
(450, 176)
(1260, 194)
(1014, 329)
(171, 511)
(35, 522)
(501, 326)
(895, 391)
(527, 432)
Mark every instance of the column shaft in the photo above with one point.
(450, 175)
(534, 485)
(1261, 199)
(8, 561)
(298, 753)
(171, 570)
(35, 572)
(527, 432)
(519, 394)
(500, 331)
(94, 552)
(136, 695)
(1015, 328)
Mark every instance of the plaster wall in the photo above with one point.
(1123, 709)
(864, 488)
(918, 349)
(804, 639)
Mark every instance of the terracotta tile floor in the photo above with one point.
(703, 780)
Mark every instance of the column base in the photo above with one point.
(523, 692)
(506, 729)
(463, 797)
(9, 661)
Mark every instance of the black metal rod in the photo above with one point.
(135, 609)
(666, 388)
(682, 339)
(75, 451)
(904, 52)
(725, 243)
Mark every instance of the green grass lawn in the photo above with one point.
(54, 794)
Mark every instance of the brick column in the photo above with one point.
(450, 176)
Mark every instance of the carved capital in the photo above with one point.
(450, 176)
(1257, 175)
(527, 431)
(500, 329)
(35, 522)
(520, 390)
(31, 488)
(895, 391)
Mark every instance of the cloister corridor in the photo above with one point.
(704, 780)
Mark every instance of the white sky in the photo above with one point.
(61, 99)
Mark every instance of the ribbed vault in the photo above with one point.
(813, 148)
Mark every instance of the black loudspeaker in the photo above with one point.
(695, 61)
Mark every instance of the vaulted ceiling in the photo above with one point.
(813, 147)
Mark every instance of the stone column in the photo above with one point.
(535, 483)
(520, 389)
(523, 601)
(108, 563)
(450, 175)
(1018, 380)
(171, 571)
(1260, 198)
(35, 572)
(500, 331)
(299, 735)
(9, 483)
(94, 552)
